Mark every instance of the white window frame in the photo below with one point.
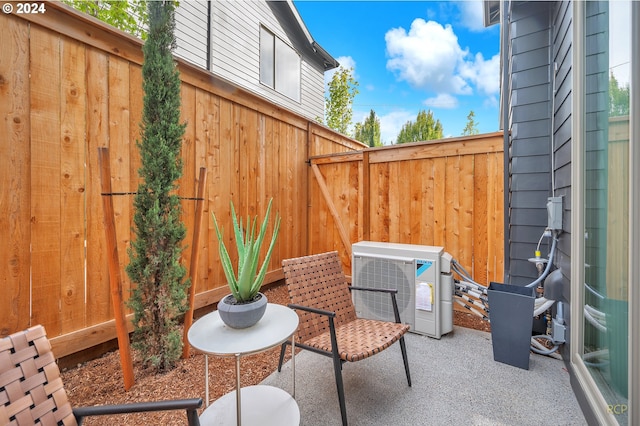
(282, 73)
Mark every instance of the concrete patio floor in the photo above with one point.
(455, 381)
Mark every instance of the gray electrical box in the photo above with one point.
(554, 213)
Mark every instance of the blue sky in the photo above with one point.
(413, 55)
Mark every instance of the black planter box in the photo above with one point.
(511, 315)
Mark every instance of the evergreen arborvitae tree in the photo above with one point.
(160, 294)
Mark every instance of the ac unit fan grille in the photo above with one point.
(383, 273)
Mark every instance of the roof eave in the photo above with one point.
(329, 61)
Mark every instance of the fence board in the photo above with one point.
(99, 308)
(395, 200)
(480, 222)
(414, 187)
(15, 218)
(73, 110)
(206, 132)
(269, 163)
(355, 200)
(122, 169)
(494, 225)
(187, 183)
(135, 119)
(46, 203)
(439, 206)
(467, 197)
(427, 202)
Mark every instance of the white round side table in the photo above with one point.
(268, 405)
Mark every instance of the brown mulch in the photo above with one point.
(99, 381)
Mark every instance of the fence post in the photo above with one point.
(114, 269)
(193, 267)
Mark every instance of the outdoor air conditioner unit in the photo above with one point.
(422, 276)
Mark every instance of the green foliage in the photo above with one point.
(160, 296)
(369, 131)
(425, 128)
(343, 88)
(247, 282)
(118, 13)
(472, 127)
(618, 98)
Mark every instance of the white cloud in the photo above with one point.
(391, 123)
(442, 100)
(426, 57)
(472, 14)
(429, 58)
(491, 102)
(485, 75)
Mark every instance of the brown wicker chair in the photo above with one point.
(31, 390)
(321, 296)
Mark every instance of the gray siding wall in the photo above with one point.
(235, 48)
(562, 19)
(530, 53)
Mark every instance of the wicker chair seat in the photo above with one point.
(361, 338)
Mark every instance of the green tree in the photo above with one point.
(160, 295)
(425, 128)
(369, 131)
(472, 127)
(618, 98)
(129, 16)
(338, 111)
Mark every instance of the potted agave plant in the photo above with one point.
(246, 304)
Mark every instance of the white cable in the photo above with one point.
(539, 348)
(474, 286)
(546, 305)
(470, 308)
(602, 353)
(548, 267)
(599, 315)
(539, 301)
(594, 322)
(474, 302)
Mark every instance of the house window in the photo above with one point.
(605, 91)
(279, 65)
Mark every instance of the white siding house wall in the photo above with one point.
(191, 32)
(235, 49)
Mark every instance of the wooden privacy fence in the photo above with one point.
(443, 193)
(70, 85)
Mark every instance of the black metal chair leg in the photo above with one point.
(192, 418)
(282, 349)
(337, 367)
(403, 348)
